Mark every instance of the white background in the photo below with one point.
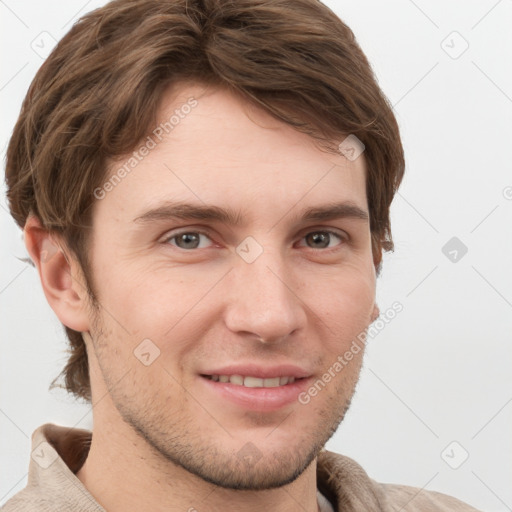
(441, 370)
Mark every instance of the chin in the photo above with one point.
(254, 472)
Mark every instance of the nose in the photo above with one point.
(263, 299)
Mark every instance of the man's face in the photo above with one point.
(272, 296)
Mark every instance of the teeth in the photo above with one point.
(236, 379)
(253, 382)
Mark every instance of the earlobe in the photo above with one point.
(59, 275)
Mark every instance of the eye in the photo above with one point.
(188, 240)
(322, 239)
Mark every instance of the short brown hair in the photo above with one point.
(97, 94)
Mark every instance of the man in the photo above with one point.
(204, 188)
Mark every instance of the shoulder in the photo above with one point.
(348, 484)
(414, 499)
(25, 501)
(52, 485)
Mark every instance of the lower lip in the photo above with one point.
(258, 399)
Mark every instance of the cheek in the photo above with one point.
(167, 312)
(345, 310)
(138, 297)
(349, 295)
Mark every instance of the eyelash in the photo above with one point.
(342, 238)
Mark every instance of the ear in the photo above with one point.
(377, 260)
(61, 277)
(375, 313)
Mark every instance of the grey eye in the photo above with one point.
(187, 240)
(320, 239)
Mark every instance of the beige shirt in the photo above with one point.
(58, 453)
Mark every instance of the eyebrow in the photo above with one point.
(187, 211)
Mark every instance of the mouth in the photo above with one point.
(250, 381)
(254, 393)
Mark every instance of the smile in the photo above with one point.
(252, 382)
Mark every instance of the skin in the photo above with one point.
(169, 442)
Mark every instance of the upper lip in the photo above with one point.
(262, 372)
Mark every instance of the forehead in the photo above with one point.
(209, 145)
